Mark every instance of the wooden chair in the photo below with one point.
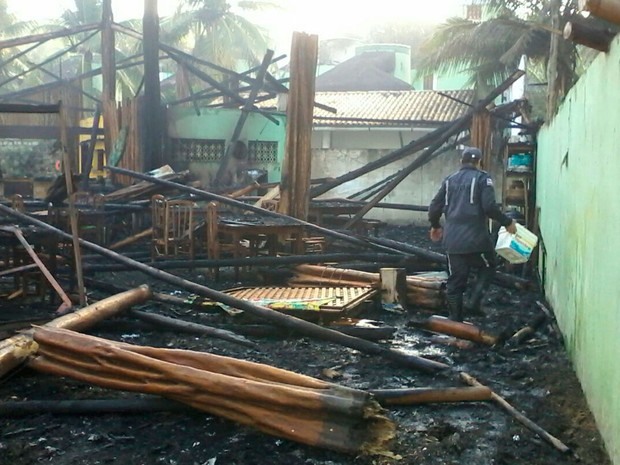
(17, 203)
(218, 243)
(159, 241)
(181, 227)
(173, 227)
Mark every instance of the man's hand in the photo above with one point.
(437, 234)
(512, 227)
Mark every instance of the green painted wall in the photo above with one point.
(451, 81)
(218, 124)
(578, 191)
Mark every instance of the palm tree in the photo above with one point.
(9, 28)
(491, 49)
(213, 31)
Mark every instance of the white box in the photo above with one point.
(516, 248)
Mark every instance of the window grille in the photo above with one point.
(263, 151)
(199, 150)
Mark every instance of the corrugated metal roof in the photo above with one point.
(390, 108)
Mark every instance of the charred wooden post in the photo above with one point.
(152, 92)
(598, 39)
(68, 163)
(393, 285)
(608, 10)
(15, 350)
(295, 185)
(108, 73)
(88, 160)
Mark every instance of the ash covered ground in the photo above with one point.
(536, 377)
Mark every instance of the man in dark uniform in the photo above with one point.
(467, 199)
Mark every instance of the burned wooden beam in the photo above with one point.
(273, 316)
(598, 39)
(48, 35)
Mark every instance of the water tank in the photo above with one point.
(402, 57)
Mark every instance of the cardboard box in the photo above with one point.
(516, 248)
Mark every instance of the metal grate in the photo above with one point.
(263, 151)
(337, 299)
(198, 150)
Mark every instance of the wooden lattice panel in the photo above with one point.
(341, 298)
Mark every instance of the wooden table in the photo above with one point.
(271, 232)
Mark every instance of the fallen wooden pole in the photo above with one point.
(555, 442)
(430, 395)
(15, 350)
(144, 404)
(132, 239)
(286, 321)
(528, 330)
(50, 278)
(440, 324)
(190, 327)
(252, 261)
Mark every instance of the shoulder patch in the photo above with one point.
(489, 182)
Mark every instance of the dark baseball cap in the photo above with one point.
(470, 154)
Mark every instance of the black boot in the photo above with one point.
(478, 292)
(455, 307)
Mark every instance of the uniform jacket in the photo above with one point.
(467, 199)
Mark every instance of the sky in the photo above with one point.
(326, 18)
(314, 16)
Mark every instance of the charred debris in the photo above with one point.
(320, 274)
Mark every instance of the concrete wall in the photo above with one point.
(578, 176)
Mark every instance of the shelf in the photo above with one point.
(519, 173)
(521, 147)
